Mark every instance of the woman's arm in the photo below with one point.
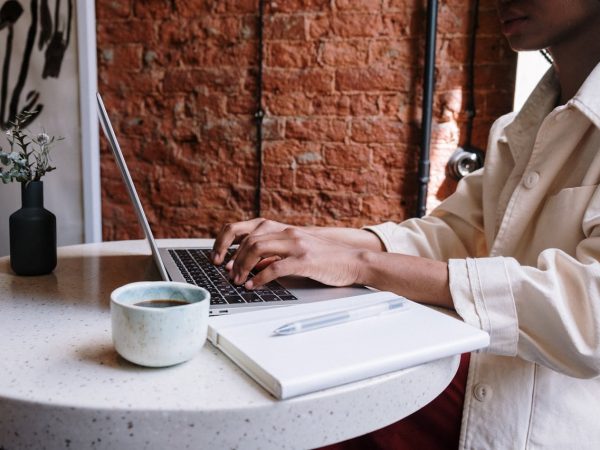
(235, 233)
(417, 278)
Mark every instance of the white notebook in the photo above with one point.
(309, 361)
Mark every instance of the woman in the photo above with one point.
(515, 251)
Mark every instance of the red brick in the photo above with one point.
(176, 33)
(358, 5)
(130, 31)
(288, 104)
(273, 129)
(287, 152)
(344, 54)
(320, 26)
(232, 55)
(323, 130)
(332, 105)
(109, 9)
(236, 6)
(332, 180)
(364, 104)
(378, 78)
(338, 206)
(291, 54)
(379, 130)
(154, 9)
(390, 155)
(192, 8)
(347, 155)
(393, 52)
(225, 29)
(454, 18)
(307, 80)
(185, 80)
(406, 24)
(352, 25)
(288, 27)
(124, 57)
(299, 6)
(288, 204)
(278, 177)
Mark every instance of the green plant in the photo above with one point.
(29, 156)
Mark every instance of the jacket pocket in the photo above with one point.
(561, 221)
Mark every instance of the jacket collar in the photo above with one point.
(521, 132)
(587, 98)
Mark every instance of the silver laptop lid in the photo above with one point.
(114, 145)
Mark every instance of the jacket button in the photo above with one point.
(482, 392)
(531, 179)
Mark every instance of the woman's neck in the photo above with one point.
(574, 60)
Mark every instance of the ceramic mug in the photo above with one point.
(154, 334)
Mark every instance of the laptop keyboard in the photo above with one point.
(196, 268)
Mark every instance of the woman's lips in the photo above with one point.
(513, 25)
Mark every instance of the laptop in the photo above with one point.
(193, 265)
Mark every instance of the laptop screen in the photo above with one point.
(116, 149)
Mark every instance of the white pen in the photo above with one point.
(337, 317)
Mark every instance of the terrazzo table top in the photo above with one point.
(62, 385)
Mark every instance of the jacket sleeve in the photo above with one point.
(453, 230)
(548, 314)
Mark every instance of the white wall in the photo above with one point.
(531, 66)
(69, 111)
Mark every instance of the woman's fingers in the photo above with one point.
(277, 269)
(256, 248)
(232, 233)
(265, 262)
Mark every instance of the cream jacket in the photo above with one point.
(522, 240)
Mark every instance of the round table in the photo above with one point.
(62, 384)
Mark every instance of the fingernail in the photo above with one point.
(249, 284)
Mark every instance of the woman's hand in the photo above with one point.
(293, 251)
(278, 250)
(234, 233)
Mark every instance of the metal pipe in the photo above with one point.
(260, 113)
(428, 85)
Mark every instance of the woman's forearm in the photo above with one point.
(419, 279)
(353, 237)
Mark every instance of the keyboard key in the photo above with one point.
(234, 299)
(251, 298)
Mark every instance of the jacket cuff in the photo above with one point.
(482, 296)
(383, 232)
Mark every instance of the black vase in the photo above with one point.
(32, 233)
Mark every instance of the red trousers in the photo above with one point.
(436, 426)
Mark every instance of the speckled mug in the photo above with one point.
(159, 337)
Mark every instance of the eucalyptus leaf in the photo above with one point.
(29, 158)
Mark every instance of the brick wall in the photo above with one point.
(342, 101)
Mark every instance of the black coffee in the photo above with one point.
(161, 303)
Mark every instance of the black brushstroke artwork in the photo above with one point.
(53, 35)
(55, 52)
